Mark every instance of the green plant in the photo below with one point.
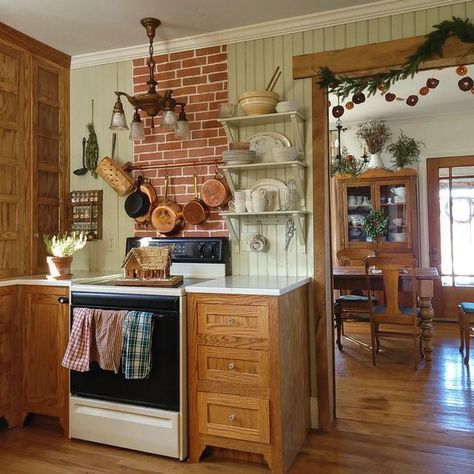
(347, 164)
(344, 85)
(375, 133)
(92, 150)
(405, 151)
(376, 224)
(64, 244)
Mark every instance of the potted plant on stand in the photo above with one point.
(375, 134)
(375, 225)
(61, 247)
(406, 150)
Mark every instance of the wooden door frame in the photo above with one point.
(357, 61)
(432, 183)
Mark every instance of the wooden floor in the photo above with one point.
(392, 420)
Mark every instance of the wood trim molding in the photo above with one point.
(33, 46)
(267, 29)
(370, 59)
(374, 60)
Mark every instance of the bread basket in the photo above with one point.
(115, 176)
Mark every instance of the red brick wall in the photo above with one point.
(198, 78)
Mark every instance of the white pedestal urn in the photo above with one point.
(375, 161)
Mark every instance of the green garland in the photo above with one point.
(345, 86)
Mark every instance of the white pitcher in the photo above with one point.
(259, 200)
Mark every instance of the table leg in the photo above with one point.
(427, 313)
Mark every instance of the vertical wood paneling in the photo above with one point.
(251, 64)
(99, 83)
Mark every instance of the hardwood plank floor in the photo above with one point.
(391, 420)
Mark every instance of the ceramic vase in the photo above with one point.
(59, 267)
(375, 161)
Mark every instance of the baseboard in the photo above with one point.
(314, 413)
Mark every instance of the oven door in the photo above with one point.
(161, 388)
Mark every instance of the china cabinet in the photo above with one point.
(395, 193)
(295, 172)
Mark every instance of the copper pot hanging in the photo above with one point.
(215, 191)
(195, 211)
(167, 217)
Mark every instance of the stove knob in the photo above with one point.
(213, 250)
(201, 248)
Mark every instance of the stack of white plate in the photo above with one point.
(287, 106)
(238, 157)
(398, 236)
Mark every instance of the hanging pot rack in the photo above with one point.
(180, 164)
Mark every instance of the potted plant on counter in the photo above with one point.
(61, 247)
(375, 225)
(375, 134)
(406, 150)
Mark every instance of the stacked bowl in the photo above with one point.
(286, 153)
(287, 106)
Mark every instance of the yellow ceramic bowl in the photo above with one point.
(258, 102)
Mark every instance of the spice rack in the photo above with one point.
(85, 212)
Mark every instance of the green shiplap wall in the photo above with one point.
(251, 65)
(99, 83)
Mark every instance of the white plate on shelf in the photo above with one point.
(263, 143)
(272, 185)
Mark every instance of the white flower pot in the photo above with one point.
(375, 161)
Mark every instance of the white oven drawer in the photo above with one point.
(144, 429)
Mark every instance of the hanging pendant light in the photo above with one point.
(118, 121)
(137, 130)
(182, 126)
(151, 102)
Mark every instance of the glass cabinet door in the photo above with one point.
(358, 205)
(393, 200)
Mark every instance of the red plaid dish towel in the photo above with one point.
(107, 338)
(77, 355)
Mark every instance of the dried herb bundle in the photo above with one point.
(92, 150)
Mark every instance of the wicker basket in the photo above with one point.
(115, 176)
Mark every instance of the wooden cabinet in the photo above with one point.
(248, 375)
(8, 364)
(395, 193)
(34, 149)
(44, 334)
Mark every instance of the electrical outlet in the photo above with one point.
(111, 244)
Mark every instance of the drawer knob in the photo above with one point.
(230, 321)
(231, 366)
(231, 417)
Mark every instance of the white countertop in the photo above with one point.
(250, 285)
(235, 285)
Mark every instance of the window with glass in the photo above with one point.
(359, 204)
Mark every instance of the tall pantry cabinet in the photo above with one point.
(34, 149)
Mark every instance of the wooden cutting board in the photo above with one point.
(167, 282)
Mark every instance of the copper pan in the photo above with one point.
(148, 189)
(167, 217)
(195, 212)
(215, 191)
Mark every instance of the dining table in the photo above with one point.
(354, 278)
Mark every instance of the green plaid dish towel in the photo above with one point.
(136, 352)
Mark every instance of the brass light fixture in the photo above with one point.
(151, 102)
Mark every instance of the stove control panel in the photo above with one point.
(189, 249)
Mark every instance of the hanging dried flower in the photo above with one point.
(338, 111)
(432, 83)
(375, 133)
(358, 98)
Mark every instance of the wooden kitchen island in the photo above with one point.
(248, 372)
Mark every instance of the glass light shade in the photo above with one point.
(168, 120)
(182, 129)
(137, 131)
(118, 121)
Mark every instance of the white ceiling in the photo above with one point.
(446, 98)
(86, 26)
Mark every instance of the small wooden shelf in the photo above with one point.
(265, 165)
(80, 207)
(233, 220)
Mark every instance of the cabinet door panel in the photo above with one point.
(45, 332)
(13, 163)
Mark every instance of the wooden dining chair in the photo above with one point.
(406, 318)
(354, 305)
(466, 318)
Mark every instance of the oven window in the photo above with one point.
(159, 390)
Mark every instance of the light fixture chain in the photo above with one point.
(151, 61)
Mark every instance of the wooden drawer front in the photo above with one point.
(236, 366)
(233, 319)
(234, 417)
